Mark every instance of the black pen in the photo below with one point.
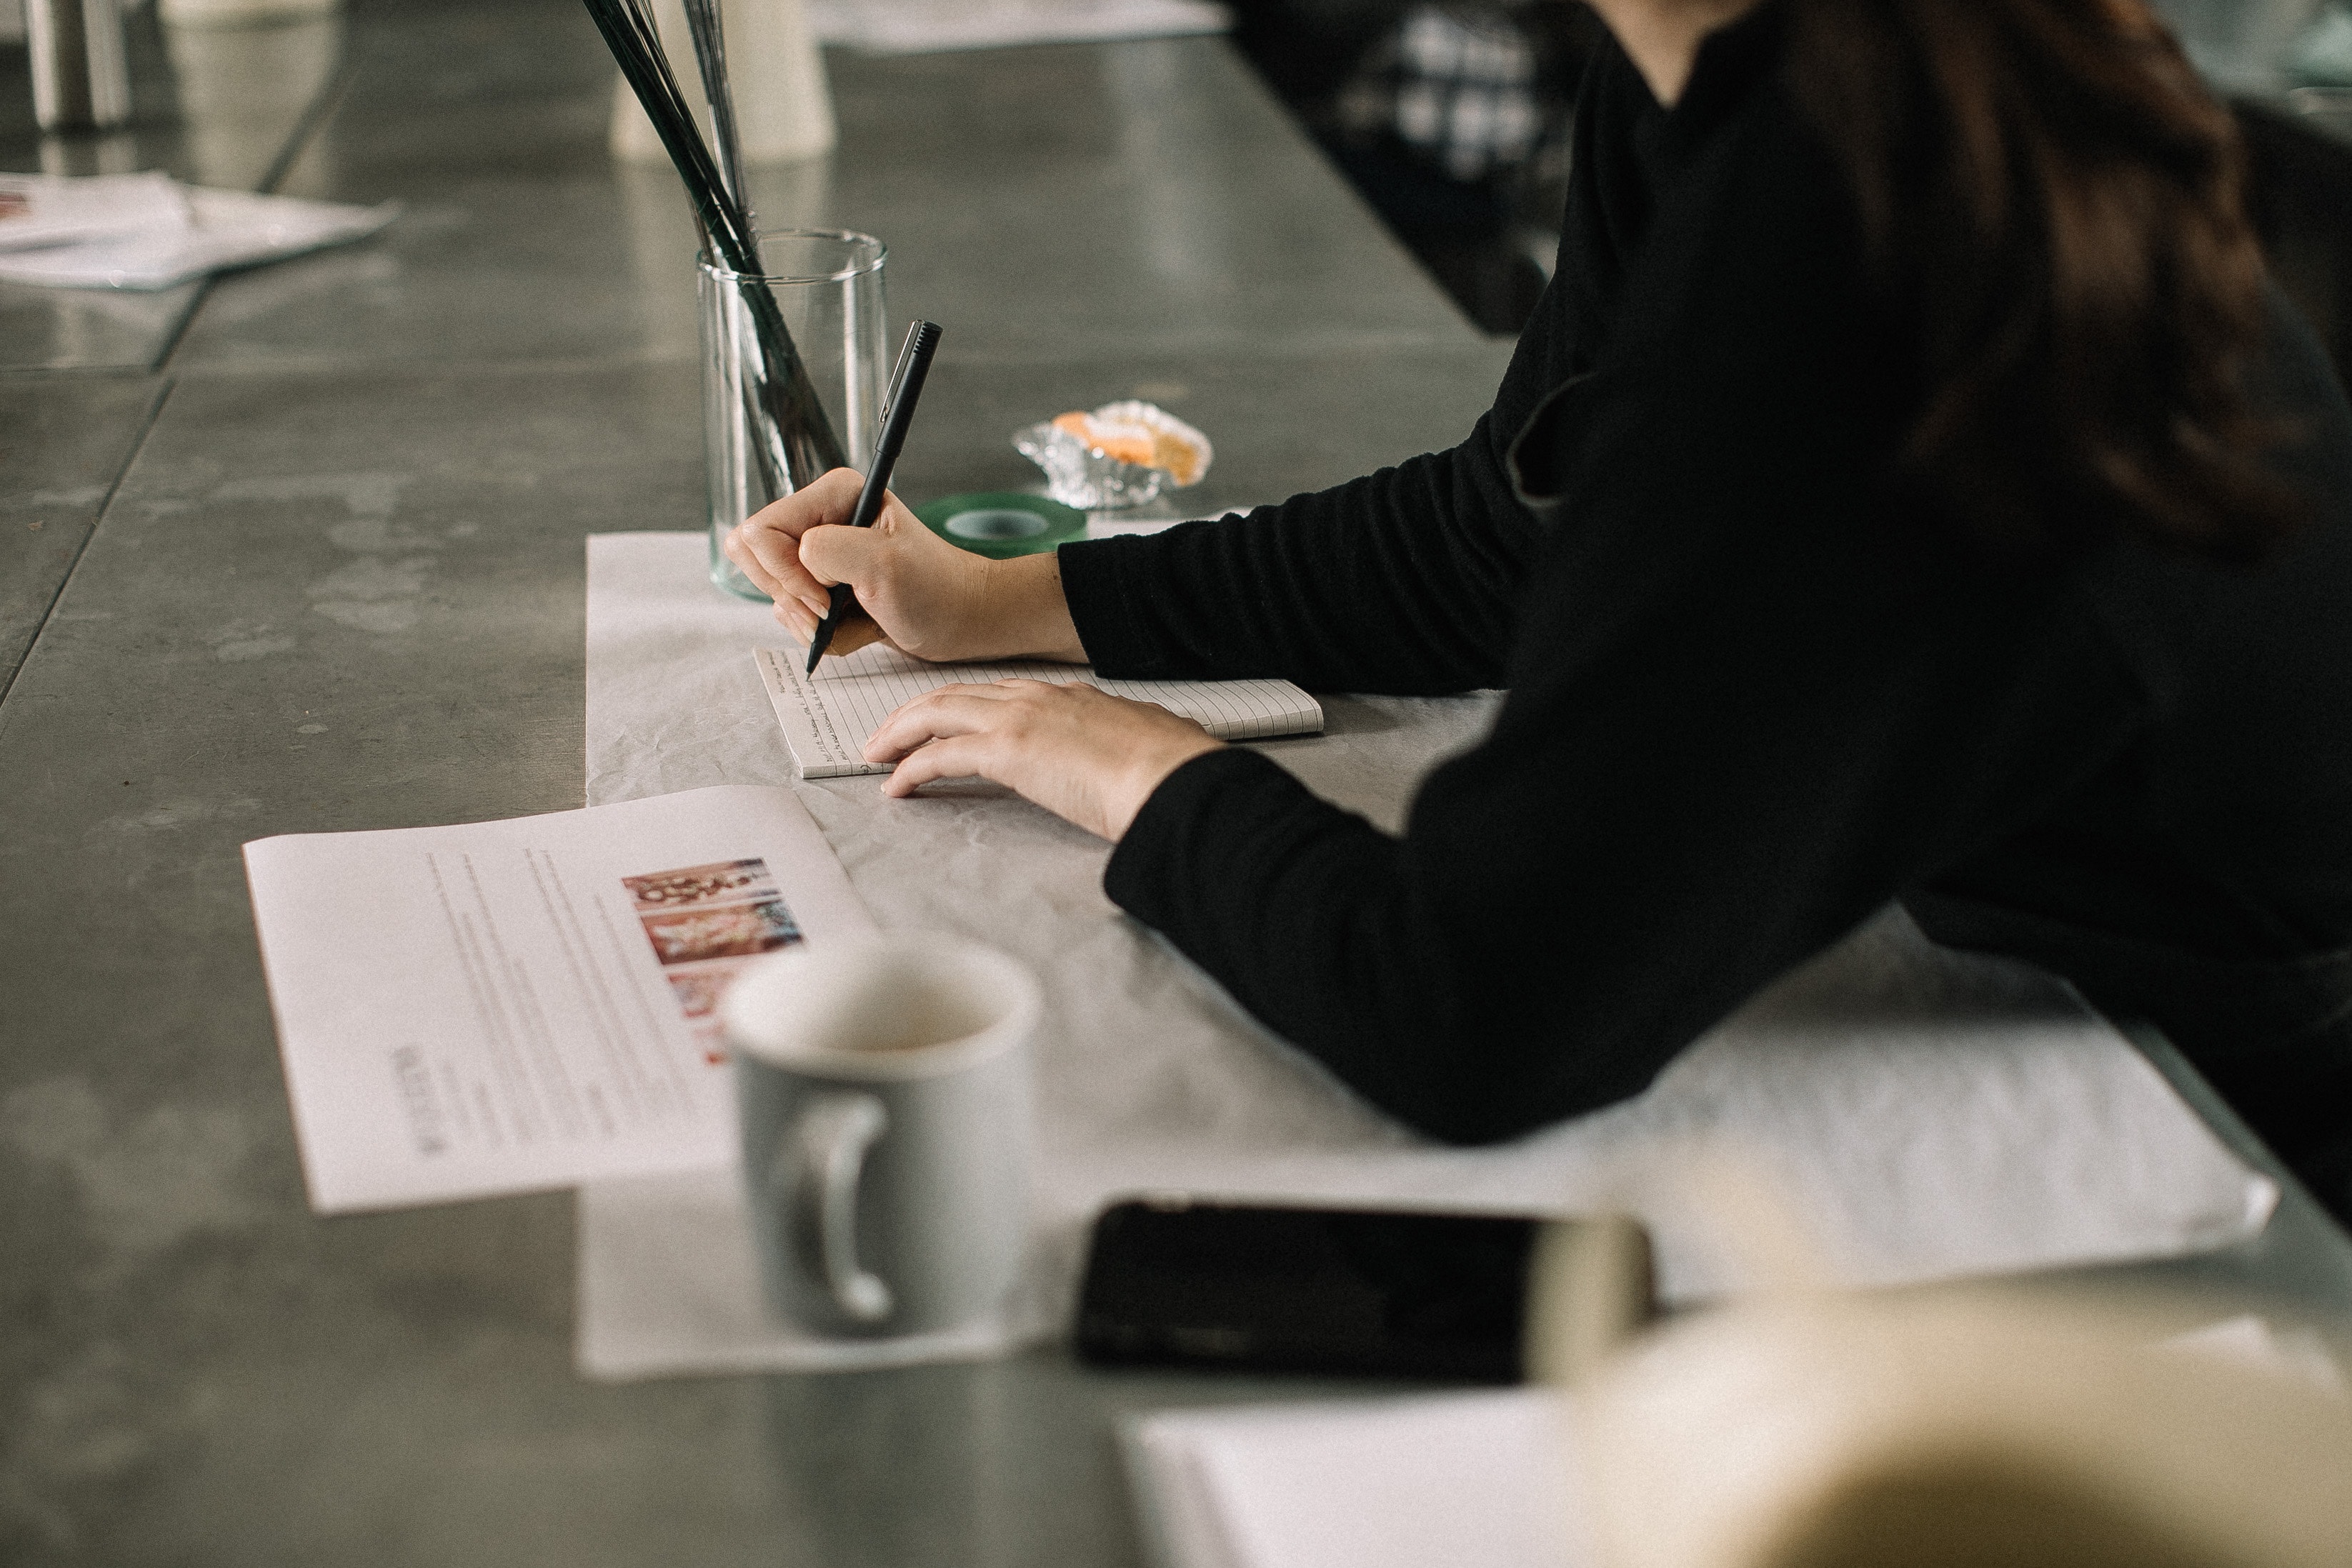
(897, 413)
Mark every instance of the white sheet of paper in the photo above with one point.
(1483, 1478)
(1388, 1484)
(39, 209)
(688, 1300)
(1933, 1115)
(221, 229)
(504, 1007)
(938, 27)
(828, 718)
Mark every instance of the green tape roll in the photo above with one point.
(999, 524)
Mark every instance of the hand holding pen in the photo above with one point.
(897, 414)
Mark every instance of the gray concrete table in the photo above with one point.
(306, 556)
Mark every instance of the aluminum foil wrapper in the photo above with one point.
(1095, 461)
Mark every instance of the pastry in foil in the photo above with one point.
(1121, 454)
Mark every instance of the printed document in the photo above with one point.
(828, 718)
(505, 1006)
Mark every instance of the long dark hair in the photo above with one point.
(2057, 201)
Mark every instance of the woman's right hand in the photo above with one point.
(917, 591)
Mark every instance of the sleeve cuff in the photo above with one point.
(1147, 868)
(1095, 574)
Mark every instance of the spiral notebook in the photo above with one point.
(827, 717)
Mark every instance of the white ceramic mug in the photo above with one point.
(883, 1087)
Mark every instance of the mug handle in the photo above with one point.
(821, 1165)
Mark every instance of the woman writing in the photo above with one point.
(1910, 488)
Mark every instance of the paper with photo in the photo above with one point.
(504, 1007)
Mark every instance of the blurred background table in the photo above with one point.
(300, 550)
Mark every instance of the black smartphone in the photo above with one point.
(1249, 1287)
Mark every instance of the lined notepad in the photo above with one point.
(827, 717)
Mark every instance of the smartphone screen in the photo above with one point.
(1174, 1282)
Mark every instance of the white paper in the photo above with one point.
(1483, 1478)
(828, 718)
(503, 1006)
(221, 229)
(1395, 1483)
(937, 26)
(684, 1296)
(62, 209)
(1933, 1115)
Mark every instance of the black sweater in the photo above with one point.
(1753, 694)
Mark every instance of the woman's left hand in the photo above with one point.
(1074, 749)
